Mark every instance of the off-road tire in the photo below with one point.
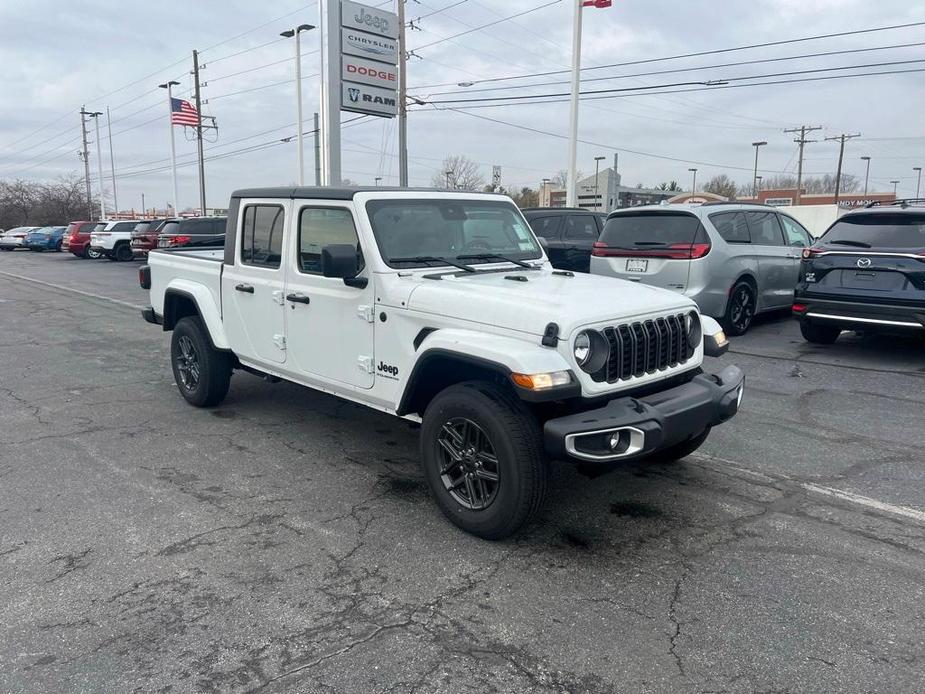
(214, 366)
(819, 334)
(673, 454)
(516, 439)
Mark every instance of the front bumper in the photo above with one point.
(858, 315)
(642, 426)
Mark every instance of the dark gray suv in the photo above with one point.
(734, 259)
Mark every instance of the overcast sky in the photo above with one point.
(57, 56)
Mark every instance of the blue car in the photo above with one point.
(44, 239)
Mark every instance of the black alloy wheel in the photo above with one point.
(187, 362)
(123, 253)
(741, 309)
(469, 467)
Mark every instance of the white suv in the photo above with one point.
(113, 239)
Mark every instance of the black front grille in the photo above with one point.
(645, 347)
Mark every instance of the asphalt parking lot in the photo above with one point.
(285, 540)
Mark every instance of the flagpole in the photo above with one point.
(173, 147)
(571, 182)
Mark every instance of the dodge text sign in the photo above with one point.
(368, 72)
(362, 98)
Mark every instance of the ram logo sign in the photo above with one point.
(370, 100)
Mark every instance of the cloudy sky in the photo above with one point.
(57, 56)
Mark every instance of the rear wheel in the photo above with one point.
(93, 254)
(123, 253)
(202, 372)
(483, 459)
(819, 334)
(740, 309)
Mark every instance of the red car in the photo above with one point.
(77, 239)
(144, 237)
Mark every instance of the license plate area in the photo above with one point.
(637, 265)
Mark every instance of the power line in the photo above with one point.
(687, 55)
(485, 26)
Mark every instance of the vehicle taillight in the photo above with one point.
(178, 240)
(811, 252)
(676, 251)
(144, 276)
(799, 308)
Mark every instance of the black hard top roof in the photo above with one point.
(559, 210)
(325, 193)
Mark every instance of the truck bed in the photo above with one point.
(181, 267)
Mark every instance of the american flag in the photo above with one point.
(183, 113)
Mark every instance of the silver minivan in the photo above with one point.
(734, 259)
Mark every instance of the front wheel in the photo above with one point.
(202, 372)
(482, 453)
(672, 454)
(58, 247)
(819, 334)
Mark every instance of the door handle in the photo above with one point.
(246, 288)
(298, 298)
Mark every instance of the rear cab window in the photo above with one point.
(901, 231)
(262, 235)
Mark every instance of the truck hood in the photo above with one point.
(545, 297)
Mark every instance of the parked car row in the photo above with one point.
(736, 260)
(126, 240)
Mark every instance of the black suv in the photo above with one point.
(867, 272)
(567, 233)
(192, 231)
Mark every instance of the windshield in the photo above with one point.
(652, 229)
(450, 229)
(882, 230)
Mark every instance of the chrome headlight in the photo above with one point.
(591, 350)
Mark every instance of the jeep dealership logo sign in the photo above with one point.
(369, 53)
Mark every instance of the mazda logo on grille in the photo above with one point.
(863, 262)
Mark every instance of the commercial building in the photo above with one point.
(603, 193)
(788, 196)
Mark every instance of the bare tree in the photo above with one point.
(560, 178)
(43, 204)
(721, 185)
(458, 172)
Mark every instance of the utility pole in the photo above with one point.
(866, 174)
(756, 145)
(597, 168)
(841, 154)
(95, 115)
(317, 151)
(85, 155)
(173, 147)
(202, 167)
(112, 162)
(143, 209)
(801, 140)
(402, 99)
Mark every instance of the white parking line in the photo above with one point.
(72, 290)
(904, 511)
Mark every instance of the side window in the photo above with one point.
(732, 227)
(580, 227)
(547, 227)
(262, 235)
(795, 232)
(764, 228)
(320, 227)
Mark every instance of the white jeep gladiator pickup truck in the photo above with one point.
(442, 308)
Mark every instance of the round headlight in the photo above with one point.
(582, 348)
(693, 329)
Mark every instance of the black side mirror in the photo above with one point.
(340, 260)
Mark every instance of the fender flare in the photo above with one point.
(206, 307)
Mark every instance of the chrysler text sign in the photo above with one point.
(370, 46)
(361, 98)
(369, 19)
(369, 72)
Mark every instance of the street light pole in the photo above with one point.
(112, 162)
(756, 145)
(290, 33)
(866, 174)
(757, 186)
(597, 166)
(448, 174)
(694, 184)
(571, 182)
(95, 115)
(918, 183)
(173, 147)
(378, 179)
(895, 183)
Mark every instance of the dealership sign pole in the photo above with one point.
(362, 77)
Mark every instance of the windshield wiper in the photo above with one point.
(432, 259)
(848, 242)
(489, 256)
